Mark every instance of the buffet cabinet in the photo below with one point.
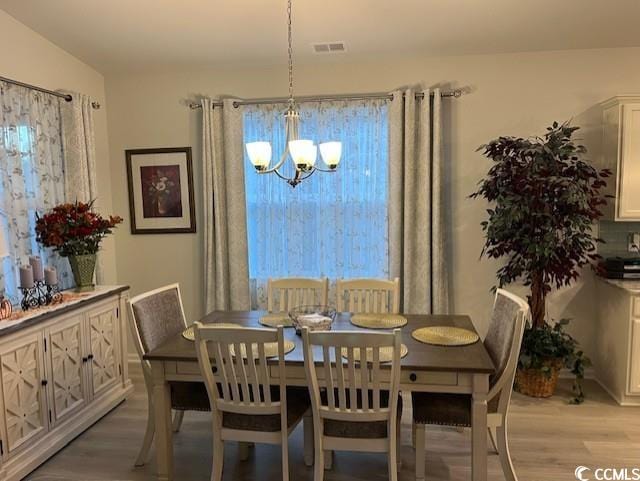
(60, 372)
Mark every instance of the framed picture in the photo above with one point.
(161, 190)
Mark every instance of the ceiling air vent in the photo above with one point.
(329, 47)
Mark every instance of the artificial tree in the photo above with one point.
(545, 199)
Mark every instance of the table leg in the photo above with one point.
(164, 431)
(479, 427)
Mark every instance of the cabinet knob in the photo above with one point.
(214, 369)
(45, 382)
(413, 377)
(90, 357)
(84, 359)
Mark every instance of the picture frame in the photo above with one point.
(161, 197)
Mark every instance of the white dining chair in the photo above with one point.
(368, 296)
(154, 317)
(360, 408)
(503, 340)
(250, 400)
(286, 293)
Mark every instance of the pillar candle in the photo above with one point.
(50, 276)
(36, 264)
(26, 276)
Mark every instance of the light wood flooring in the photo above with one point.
(548, 439)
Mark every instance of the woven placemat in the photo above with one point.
(386, 353)
(378, 321)
(276, 319)
(270, 349)
(189, 335)
(445, 336)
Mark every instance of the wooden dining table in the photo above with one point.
(426, 368)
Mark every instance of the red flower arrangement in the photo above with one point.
(74, 229)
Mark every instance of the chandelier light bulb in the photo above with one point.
(259, 155)
(331, 153)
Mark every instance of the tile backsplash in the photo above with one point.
(615, 235)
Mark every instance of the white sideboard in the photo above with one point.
(621, 154)
(60, 370)
(617, 361)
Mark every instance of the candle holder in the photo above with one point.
(53, 294)
(29, 298)
(41, 292)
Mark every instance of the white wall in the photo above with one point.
(514, 94)
(30, 58)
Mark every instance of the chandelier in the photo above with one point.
(303, 152)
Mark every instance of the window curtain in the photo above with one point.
(31, 177)
(78, 143)
(332, 224)
(226, 276)
(416, 217)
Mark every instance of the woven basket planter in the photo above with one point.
(536, 383)
(83, 268)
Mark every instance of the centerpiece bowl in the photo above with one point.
(314, 317)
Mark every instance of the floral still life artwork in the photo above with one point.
(161, 198)
(161, 191)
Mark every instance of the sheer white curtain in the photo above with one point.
(31, 176)
(332, 224)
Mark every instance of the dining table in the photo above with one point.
(425, 368)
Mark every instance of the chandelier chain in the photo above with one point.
(290, 52)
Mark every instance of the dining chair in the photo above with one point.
(250, 400)
(373, 296)
(503, 340)
(288, 292)
(360, 408)
(154, 317)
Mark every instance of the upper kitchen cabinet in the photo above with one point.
(621, 152)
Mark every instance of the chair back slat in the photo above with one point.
(242, 381)
(376, 296)
(361, 381)
(286, 293)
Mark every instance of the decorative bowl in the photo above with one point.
(316, 318)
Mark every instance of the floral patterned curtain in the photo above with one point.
(31, 177)
(332, 224)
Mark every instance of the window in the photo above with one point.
(332, 224)
(31, 178)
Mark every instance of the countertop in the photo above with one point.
(38, 315)
(632, 286)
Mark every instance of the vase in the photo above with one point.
(83, 267)
(538, 383)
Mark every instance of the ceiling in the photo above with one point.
(118, 35)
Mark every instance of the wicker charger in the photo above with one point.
(276, 319)
(445, 336)
(270, 349)
(189, 335)
(386, 353)
(378, 321)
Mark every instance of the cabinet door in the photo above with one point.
(23, 395)
(66, 356)
(103, 339)
(634, 354)
(629, 180)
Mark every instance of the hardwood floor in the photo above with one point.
(548, 439)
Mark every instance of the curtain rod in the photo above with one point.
(277, 100)
(67, 97)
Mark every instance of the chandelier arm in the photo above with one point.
(325, 170)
